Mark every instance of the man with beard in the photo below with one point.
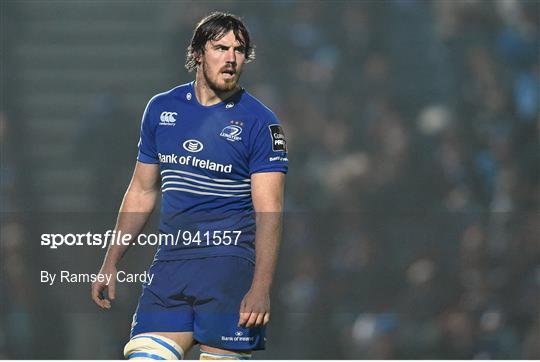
(219, 157)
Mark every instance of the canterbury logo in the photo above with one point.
(168, 117)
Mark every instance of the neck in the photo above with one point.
(208, 96)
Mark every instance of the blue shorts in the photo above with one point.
(202, 296)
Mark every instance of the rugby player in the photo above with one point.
(218, 158)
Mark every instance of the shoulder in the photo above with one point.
(258, 109)
(175, 94)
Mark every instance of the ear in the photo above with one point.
(197, 55)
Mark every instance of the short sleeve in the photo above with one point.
(147, 141)
(269, 148)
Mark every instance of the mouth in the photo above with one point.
(228, 73)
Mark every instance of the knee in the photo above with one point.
(152, 346)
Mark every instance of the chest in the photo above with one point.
(213, 143)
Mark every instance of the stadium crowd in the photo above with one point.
(413, 198)
(412, 226)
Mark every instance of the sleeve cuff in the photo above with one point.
(141, 157)
(267, 168)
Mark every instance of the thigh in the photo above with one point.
(225, 282)
(159, 308)
(224, 353)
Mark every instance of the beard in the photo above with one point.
(220, 85)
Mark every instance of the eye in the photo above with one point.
(240, 50)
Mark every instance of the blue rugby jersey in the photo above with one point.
(206, 156)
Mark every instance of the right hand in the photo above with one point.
(99, 287)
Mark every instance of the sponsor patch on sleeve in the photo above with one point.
(278, 138)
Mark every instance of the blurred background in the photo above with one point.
(412, 224)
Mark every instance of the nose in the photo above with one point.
(231, 56)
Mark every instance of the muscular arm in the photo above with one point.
(137, 205)
(267, 195)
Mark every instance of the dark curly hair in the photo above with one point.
(213, 27)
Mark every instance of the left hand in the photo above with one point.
(255, 308)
